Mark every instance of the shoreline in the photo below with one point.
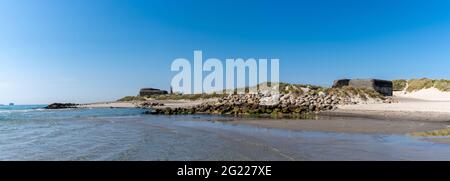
(343, 124)
(405, 117)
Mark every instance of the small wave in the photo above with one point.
(22, 110)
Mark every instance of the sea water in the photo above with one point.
(33, 133)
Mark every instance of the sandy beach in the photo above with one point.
(425, 105)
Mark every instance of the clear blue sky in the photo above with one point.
(98, 50)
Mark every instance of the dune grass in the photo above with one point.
(186, 96)
(442, 85)
(285, 88)
(419, 84)
(424, 83)
(131, 98)
(440, 132)
(399, 85)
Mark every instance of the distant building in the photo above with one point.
(384, 87)
(151, 91)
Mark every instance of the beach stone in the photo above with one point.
(270, 101)
(308, 100)
(322, 94)
(61, 106)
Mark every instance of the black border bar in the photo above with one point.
(156, 169)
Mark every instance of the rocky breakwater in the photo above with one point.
(149, 104)
(61, 106)
(294, 100)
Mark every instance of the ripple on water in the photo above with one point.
(125, 134)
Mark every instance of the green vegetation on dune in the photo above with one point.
(171, 97)
(351, 91)
(443, 85)
(440, 132)
(419, 84)
(399, 85)
(131, 98)
(285, 88)
(343, 92)
(186, 96)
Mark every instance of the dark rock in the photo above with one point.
(61, 106)
(150, 104)
(384, 87)
(341, 83)
(151, 91)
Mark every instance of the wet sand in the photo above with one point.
(195, 138)
(345, 125)
(127, 134)
(438, 117)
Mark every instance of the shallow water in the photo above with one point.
(125, 134)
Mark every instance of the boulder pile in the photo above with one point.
(61, 106)
(150, 105)
(302, 101)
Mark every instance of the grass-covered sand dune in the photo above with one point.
(408, 86)
(285, 88)
(423, 89)
(419, 84)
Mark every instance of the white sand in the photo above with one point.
(411, 106)
(431, 94)
(426, 100)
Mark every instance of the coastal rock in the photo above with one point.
(300, 100)
(150, 105)
(61, 106)
(270, 100)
